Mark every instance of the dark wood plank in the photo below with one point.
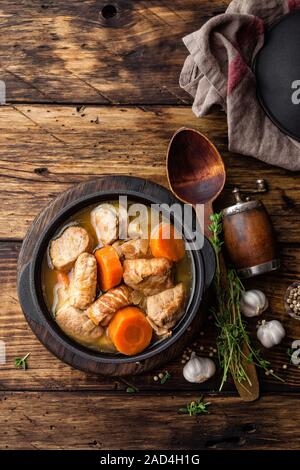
(69, 52)
(92, 421)
(44, 150)
(47, 372)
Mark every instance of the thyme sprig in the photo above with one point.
(21, 362)
(233, 338)
(165, 378)
(195, 408)
(131, 390)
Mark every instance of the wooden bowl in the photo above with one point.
(30, 288)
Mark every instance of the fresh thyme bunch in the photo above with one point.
(233, 338)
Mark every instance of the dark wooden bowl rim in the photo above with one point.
(35, 309)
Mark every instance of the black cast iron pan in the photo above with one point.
(277, 69)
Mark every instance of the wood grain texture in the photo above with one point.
(47, 372)
(117, 421)
(61, 53)
(68, 52)
(44, 150)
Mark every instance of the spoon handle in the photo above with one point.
(205, 223)
(248, 391)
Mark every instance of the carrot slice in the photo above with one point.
(165, 243)
(63, 278)
(110, 270)
(129, 330)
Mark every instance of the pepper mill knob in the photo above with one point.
(237, 194)
(261, 186)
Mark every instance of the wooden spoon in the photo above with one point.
(195, 170)
(196, 175)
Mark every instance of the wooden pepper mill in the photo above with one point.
(249, 236)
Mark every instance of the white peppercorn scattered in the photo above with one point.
(155, 378)
(293, 300)
(284, 366)
(160, 375)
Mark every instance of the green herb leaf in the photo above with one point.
(195, 408)
(166, 377)
(131, 390)
(21, 362)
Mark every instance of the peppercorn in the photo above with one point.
(292, 300)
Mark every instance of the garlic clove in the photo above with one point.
(270, 333)
(199, 369)
(253, 303)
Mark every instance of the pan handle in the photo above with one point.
(209, 259)
(25, 296)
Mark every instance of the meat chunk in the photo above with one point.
(104, 308)
(84, 281)
(165, 309)
(105, 221)
(148, 276)
(76, 324)
(138, 298)
(135, 229)
(155, 284)
(132, 249)
(60, 297)
(117, 246)
(65, 249)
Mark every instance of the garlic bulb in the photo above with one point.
(253, 303)
(270, 333)
(198, 369)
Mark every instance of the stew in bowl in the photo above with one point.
(116, 283)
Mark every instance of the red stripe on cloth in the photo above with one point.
(250, 33)
(259, 25)
(236, 71)
(248, 37)
(293, 4)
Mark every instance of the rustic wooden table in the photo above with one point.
(92, 89)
